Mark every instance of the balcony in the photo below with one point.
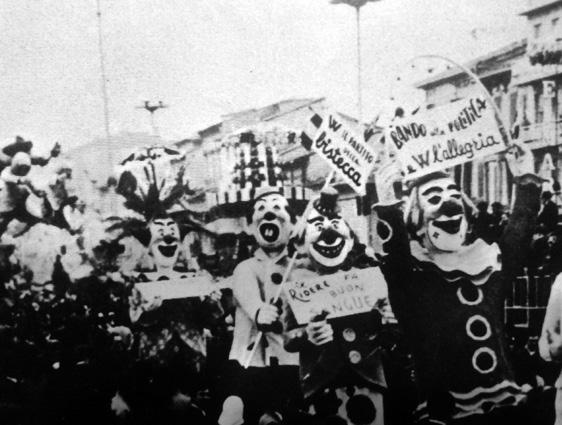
(542, 134)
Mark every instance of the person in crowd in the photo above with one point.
(167, 378)
(547, 221)
(498, 222)
(340, 358)
(482, 222)
(550, 342)
(448, 295)
(270, 381)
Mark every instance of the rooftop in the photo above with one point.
(480, 65)
(540, 6)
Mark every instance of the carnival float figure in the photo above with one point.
(58, 308)
(167, 380)
(340, 358)
(22, 196)
(448, 295)
(271, 380)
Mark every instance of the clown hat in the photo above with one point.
(327, 203)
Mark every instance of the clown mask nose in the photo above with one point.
(329, 236)
(451, 208)
(269, 216)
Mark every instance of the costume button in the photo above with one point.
(469, 294)
(354, 356)
(478, 328)
(484, 360)
(349, 335)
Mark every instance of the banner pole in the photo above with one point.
(300, 229)
(477, 80)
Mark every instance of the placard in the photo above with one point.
(189, 287)
(345, 152)
(445, 136)
(340, 294)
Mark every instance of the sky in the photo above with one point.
(206, 58)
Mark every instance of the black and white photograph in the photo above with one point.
(281, 212)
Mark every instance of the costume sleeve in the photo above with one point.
(245, 287)
(516, 238)
(397, 264)
(552, 318)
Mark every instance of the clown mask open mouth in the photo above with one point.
(329, 240)
(269, 231)
(447, 233)
(449, 225)
(329, 247)
(168, 247)
(443, 213)
(164, 244)
(271, 221)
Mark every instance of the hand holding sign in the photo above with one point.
(520, 160)
(319, 332)
(387, 178)
(140, 303)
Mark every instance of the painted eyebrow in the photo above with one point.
(432, 189)
(315, 219)
(453, 187)
(162, 222)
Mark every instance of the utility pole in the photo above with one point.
(109, 159)
(103, 74)
(152, 108)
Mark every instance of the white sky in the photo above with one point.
(209, 57)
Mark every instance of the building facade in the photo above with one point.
(524, 81)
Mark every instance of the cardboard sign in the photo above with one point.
(341, 294)
(347, 153)
(445, 136)
(189, 287)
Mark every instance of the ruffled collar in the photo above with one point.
(476, 261)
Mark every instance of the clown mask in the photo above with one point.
(443, 213)
(164, 242)
(328, 239)
(271, 222)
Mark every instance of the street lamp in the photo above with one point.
(357, 4)
(152, 108)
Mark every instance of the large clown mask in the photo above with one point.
(164, 242)
(271, 222)
(328, 238)
(443, 214)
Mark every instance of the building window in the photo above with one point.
(537, 28)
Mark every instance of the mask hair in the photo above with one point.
(413, 215)
(470, 209)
